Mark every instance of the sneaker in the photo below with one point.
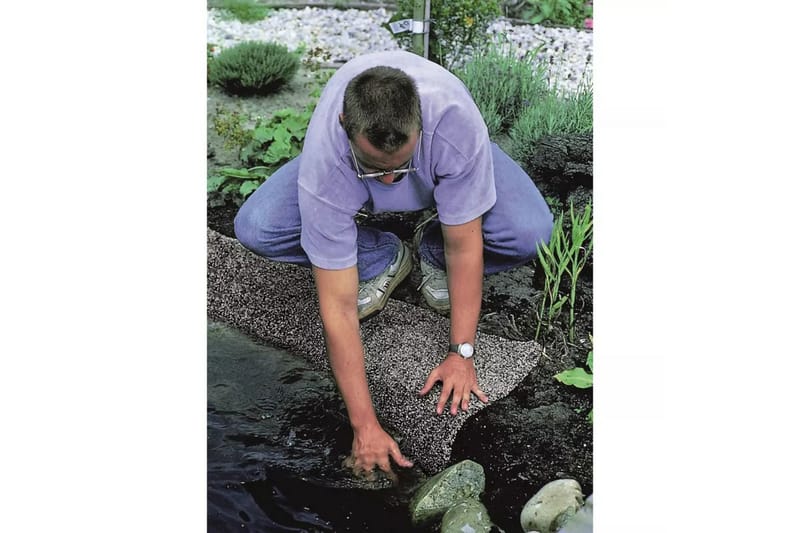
(434, 287)
(374, 293)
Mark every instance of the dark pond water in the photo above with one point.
(277, 434)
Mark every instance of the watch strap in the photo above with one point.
(456, 348)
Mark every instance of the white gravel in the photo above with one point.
(336, 36)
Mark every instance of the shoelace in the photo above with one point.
(422, 224)
(419, 227)
(424, 280)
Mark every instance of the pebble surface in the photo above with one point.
(338, 35)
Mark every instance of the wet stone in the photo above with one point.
(467, 516)
(462, 481)
(551, 507)
(583, 521)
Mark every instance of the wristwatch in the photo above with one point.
(465, 349)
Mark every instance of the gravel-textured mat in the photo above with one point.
(277, 303)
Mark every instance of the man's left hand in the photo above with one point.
(459, 379)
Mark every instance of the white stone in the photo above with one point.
(552, 506)
(345, 34)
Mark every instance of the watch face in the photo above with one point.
(466, 349)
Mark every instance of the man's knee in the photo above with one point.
(265, 235)
(527, 240)
(244, 227)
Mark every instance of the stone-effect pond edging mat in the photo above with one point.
(277, 303)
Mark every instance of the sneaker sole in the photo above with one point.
(402, 273)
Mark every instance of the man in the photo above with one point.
(394, 132)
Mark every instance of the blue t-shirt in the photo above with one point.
(454, 162)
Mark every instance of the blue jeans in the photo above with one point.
(268, 223)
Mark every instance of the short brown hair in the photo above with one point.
(382, 104)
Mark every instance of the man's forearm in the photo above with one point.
(464, 257)
(343, 341)
(346, 355)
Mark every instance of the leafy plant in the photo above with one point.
(234, 184)
(253, 68)
(277, 140)
(551, 114)
(503, 85)
(578, 377)
(566, 12)
(263, 150)
(456, 26)
(564, 258)
(243, 10)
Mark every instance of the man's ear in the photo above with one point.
(341, 119)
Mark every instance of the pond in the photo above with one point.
(277, 433)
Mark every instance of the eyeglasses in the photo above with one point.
(382, 173)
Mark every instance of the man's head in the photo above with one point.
(382, 105)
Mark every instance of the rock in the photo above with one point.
(582, 522)
(461, 481)
(467, 516)
(551, 507)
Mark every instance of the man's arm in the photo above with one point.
(338, 292)
(464, 256)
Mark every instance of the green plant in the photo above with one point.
(234, 184)
(580, 378)
(456, 26)
(263, 150)
(243, 10)
(551, 114)
(503, 85)
(566, 12)
(314, 60)
(564, 257)
(230, 126)
(277, 140)
(210, 47)
(253, 68)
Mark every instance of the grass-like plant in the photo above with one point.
(457, 26)
(563, 258)
(253, 68)
(242, 10)
(503, 86)
(580, 378)
(551, 114)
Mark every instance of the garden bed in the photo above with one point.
(539, 432)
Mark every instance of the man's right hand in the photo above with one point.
(372, 447)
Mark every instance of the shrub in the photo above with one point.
(550, 114)
(242, 10)
(253, 68)
(565, 12)
(457, 25)
(503, 86)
